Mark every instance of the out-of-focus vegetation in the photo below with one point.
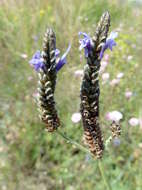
(32, 159)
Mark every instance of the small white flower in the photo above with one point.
(134, 121)
(106, 57)
(24, 56)
(76, 117)
(78, 73)
(128, 94)
(114, 116)
(35, 94)
(103, 66)
(105, 77)
(104, 63)
(130, 57)
(120, 75)
(30, 78)
(114, 82)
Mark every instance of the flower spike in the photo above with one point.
(47, 64)
(90, 86)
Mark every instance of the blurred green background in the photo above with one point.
(32, 159)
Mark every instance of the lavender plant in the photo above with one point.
(94, 49)
(48, 63)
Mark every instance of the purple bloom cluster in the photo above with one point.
(85, 43)
(37, 60)
(61, 61)
(110, 42)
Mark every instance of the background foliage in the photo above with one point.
(31, 159)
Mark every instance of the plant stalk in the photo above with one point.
(101, 168)
(100, 163)
(69, 140)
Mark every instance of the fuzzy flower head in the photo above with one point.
(110, 42)
(134, 121)
(85, 43)
(76, 117)
(128, 94)
(120, 75)
(114, 82)
(105, 77)
(24, 55)
(37, 61)
(60, 62)
(78, 73)
(114, 116)
(103, 66)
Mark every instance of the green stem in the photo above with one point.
(73, 142)
(100, 163)
(101, 168)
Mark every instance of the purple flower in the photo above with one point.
(57, 52)
(37, 61)
(109, 43)
(134, 121)
(116, 142)
(85, 43)
(61, 61)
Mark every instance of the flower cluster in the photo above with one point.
(86, 43)
(114, 116)
(94, 49)
(60, 62)
(110, 42)
(37, 60)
